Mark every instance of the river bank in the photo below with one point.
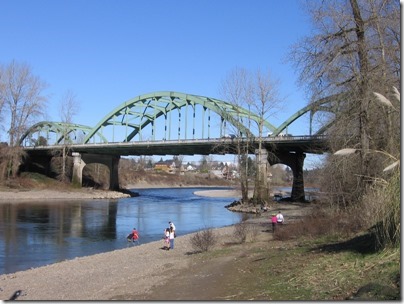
(125, 274)
(106, 276)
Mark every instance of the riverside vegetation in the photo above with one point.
(313, 257)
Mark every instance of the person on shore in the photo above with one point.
(274, 220)
(279, 218)
(171, 237)
(172, 226)
(166, 239)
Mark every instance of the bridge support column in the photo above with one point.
(298, 180)
(78, 165)
(113, 173)
(261, 189)
(111, 161)
(295, 161)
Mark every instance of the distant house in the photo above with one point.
(165, 165)
(190, 168)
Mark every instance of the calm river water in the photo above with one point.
(37, 234)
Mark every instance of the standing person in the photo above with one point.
(172, 226)
(279, 218)
(171, 237)
(274, 220)
(166, 239)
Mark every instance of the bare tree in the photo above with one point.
(21, 103)
(258, 92)
(68, 108)
(355, 50)
(266, 102)
(23, 97)
(236, 89)
(178, 160)
(2, 97)
(205, 164)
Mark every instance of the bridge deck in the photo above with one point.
(305, 144)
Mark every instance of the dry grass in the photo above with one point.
(317, 266)
(318, 223)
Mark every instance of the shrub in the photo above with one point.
(254, 231)
(319, 223)
(243, 230)
(388, 230)
(203, 240)
(240, 232)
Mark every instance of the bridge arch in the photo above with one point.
(74, 133)
(142, 111)
(328, 104)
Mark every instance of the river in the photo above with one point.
(37, 234)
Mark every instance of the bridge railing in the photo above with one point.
(274, 139)
(217, 139)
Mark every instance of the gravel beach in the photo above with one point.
(107, 276)
(104, 276)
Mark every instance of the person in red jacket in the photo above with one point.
(274, 221)
(135, 236)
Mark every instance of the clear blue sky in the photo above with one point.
(107, 52)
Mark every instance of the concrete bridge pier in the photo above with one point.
(81, 160)
(261, 189)
(295, 161)
(114, 173)
(78, 165)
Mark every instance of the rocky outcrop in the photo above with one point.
(238, 206)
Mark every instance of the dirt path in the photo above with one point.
(206, 280)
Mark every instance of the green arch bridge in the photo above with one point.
(173, 123)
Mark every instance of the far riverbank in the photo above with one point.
(7, 196)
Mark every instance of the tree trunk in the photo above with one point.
(363, 87)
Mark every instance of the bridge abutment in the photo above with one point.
(81, 160)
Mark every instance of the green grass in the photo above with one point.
(308, 273)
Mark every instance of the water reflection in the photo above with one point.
(40, 233)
